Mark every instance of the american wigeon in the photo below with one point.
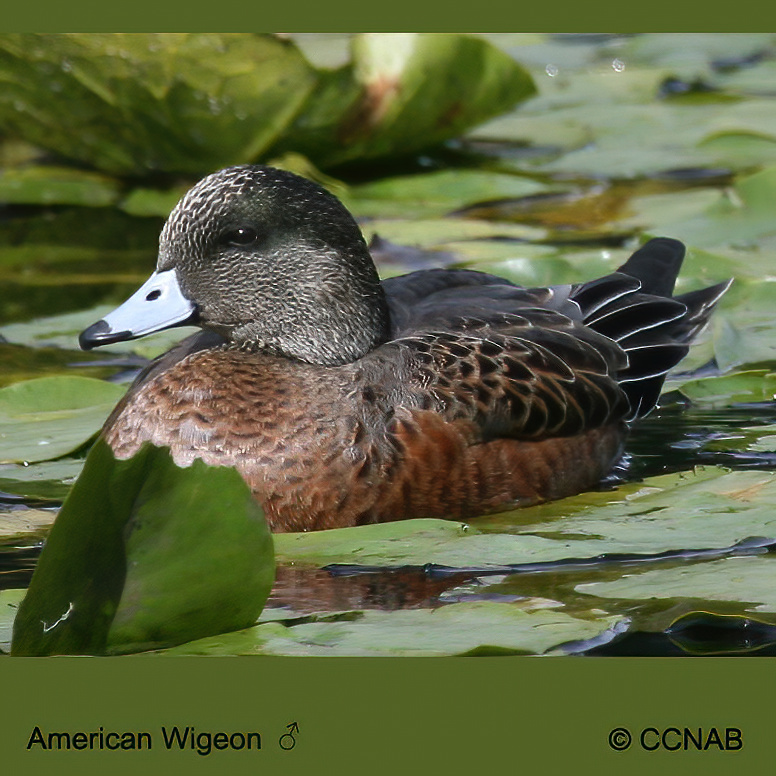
(345, 400)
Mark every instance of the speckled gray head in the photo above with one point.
(266, 259)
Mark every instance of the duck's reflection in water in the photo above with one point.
(305, 590)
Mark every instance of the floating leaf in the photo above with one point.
(749, 580)
(403, 92)
(454, 629)
(437, 232)
(63, 330)
(766, 443)
(45, 480)
(49, 417)
(19, 363)
(691, 54)
(129, 103)
(59, 185)
(191, 103)
(603, 121)
(147, 554)
(9, 603)
(434, 194)
(721, 391)
(738, 217)
(57, 330)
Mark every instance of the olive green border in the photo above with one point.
(391, 715)
(397, 15)
(373, 715)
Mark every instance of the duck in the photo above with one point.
(343, 399)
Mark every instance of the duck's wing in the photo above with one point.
(532, 376)
(534, 363)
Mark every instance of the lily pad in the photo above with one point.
(49, 417)
(9, 603)
(18, 363)
(605, 137)
(606, 121)
(191, 103)
(750, 580)
(691, 54)
(455, 629)
(146, 554)
(739, 217)
(40, 185)
(403, 92)
(765, 443)
(62, 331)
(129, 103)
(721, 391)
(437, 232)
(435, 193)
(44, 480)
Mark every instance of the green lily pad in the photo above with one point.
(454, 629)
(435, 193)
(753, 80)
(40, 185)
(9, 603)
(191, 103)
(403, 92)
(750, 580)
(753, 438)
(740, 216)
(741, 149)
(438, 232)
(49, 417)
(745, 333)
(54, 331)
(608, 137)
(43, 480)
(765, 443)
(537, 265)
(128, 103)
(747, 386)
(388, 544)
(152, 202)
(690, 54)
(752, 117)
(145, 554)
(606, 122)
(62, 331)
(658, 213)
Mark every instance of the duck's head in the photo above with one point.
(266, 259)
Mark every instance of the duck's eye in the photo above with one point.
(242, 235)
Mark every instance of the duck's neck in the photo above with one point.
(327, 314)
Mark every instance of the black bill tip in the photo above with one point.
(100, 333)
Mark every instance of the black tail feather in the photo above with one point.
(635, 307)
(656, 265)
